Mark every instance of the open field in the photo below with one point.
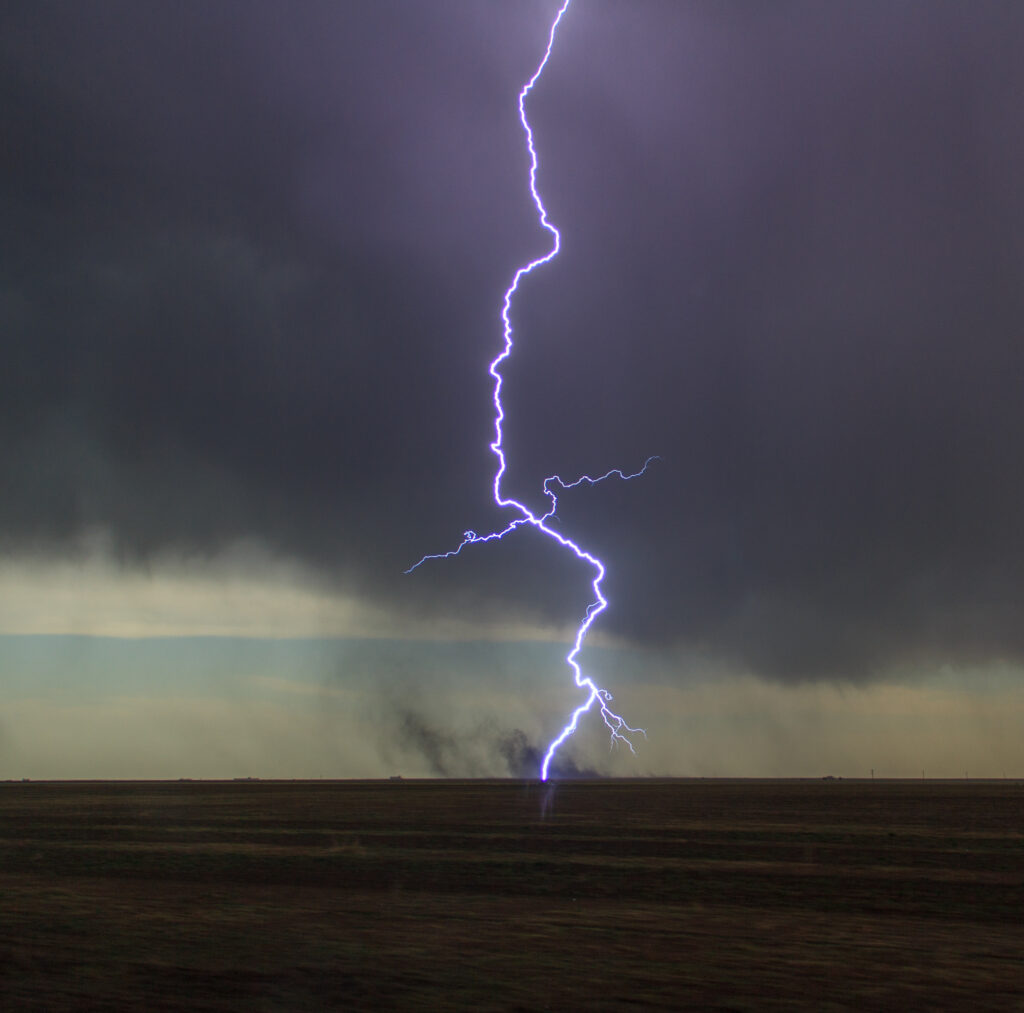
(689, 894)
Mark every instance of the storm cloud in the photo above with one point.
(254, 261)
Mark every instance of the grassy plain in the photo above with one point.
(597, 895)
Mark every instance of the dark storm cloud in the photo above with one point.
(258, 250)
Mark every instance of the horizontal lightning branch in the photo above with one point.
(620, 731)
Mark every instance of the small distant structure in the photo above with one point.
(245, 779)
(831, 777)
(395, 777)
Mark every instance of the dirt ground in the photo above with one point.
(487, 895)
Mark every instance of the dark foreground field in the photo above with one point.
(504, 895)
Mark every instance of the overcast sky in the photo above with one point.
(250, 286)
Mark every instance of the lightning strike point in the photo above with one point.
(619, 730)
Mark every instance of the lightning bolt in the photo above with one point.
(619, 730)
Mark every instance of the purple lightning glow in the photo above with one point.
(620, 731)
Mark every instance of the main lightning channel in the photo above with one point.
(620, 731)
